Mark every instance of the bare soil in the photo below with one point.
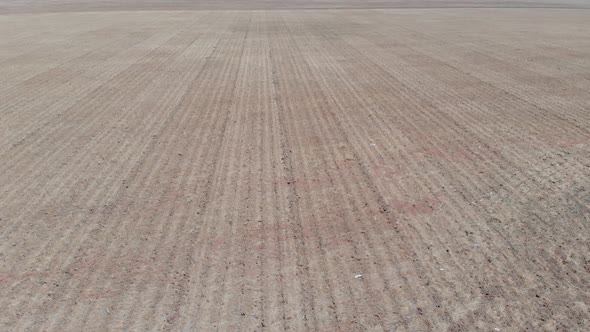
(36, 6)
(326, 170)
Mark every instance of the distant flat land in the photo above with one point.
(32, 6)
(235, 169)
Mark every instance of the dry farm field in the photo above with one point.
(296, 165)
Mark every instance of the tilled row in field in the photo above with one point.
(295, 170)
(31, 6)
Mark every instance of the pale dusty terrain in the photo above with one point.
(234, 170)
(37, 6)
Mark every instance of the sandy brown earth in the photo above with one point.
(37, 6)
(235, 170)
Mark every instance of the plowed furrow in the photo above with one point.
(302, 170)
(146, 137)
(35, 108)
(134, 80)
(340, 50)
